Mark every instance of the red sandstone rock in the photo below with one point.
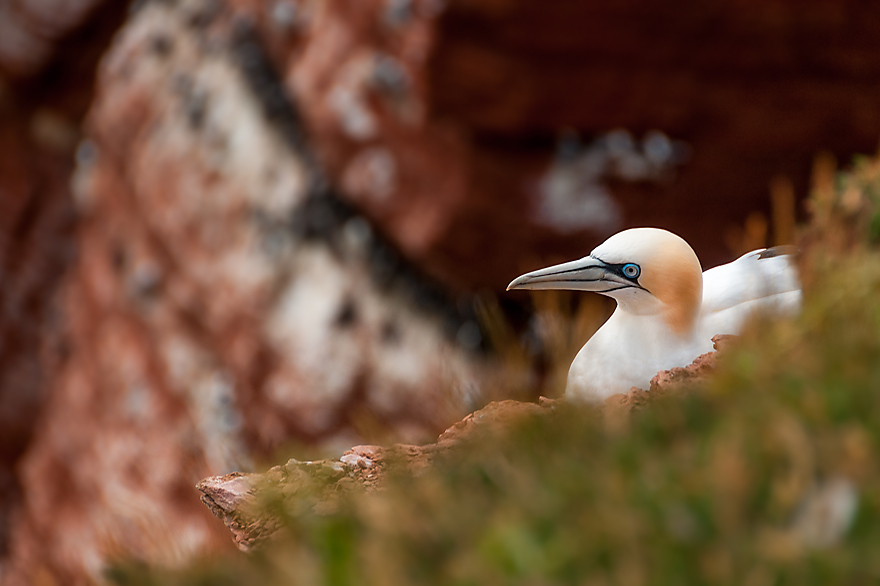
(43, 96)
(221, 306)
(673, 380)
(36, 222)
(66, 36)
(236, 499)
(29, 31)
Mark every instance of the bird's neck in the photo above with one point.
(679, 316)
(680, 297)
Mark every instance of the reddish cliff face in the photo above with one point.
(36, 223)
(281, 207)
(44, 93)
(526, 130)
(225, 302)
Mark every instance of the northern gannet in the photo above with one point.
(668, 309)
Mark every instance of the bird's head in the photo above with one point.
(647, 270)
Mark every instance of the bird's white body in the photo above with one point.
(627, 351)
(669, 311)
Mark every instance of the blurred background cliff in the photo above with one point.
(228, 227)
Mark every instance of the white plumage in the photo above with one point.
(668, 310)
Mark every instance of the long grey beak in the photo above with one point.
(586, 274)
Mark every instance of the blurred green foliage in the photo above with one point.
(766, 475)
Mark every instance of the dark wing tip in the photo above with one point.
(775, 251)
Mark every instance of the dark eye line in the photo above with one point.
(618, 269)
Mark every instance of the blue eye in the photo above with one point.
(631, 271)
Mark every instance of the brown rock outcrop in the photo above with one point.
(671, 381)
(239, 499)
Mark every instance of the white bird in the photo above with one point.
(668, 309)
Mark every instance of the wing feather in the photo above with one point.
(763, 279)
